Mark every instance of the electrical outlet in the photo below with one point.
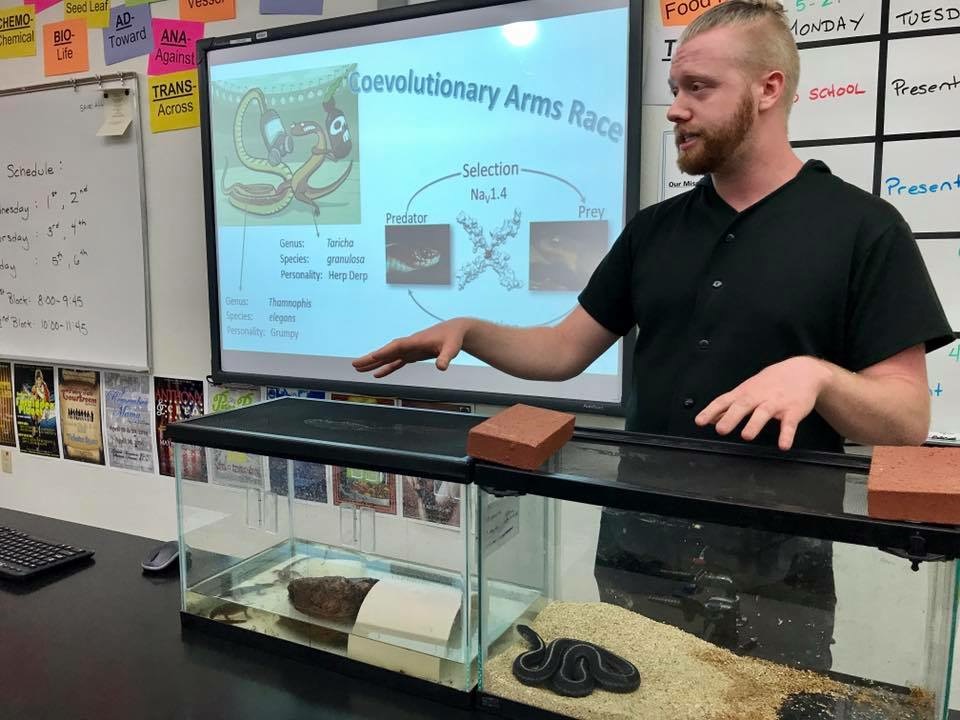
(6, 460)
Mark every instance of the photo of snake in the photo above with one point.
(292, 154)
(417, 254)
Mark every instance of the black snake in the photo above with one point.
(573, 667)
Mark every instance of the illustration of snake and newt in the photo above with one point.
(333, 142)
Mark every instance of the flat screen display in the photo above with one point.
(372, 180)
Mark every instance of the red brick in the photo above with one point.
(920, 484)
(521, 436)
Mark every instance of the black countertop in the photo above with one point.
(104, 641)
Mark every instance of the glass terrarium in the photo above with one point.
(649, 577)
(341, 527)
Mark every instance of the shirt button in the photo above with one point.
(688, 403)
(703, 344)
(730, 238)
(718, 284)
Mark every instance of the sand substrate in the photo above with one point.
(682, 676)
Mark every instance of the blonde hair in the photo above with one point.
(770, 45)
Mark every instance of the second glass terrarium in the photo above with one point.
(686, 580)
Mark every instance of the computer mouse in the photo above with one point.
(161, 557)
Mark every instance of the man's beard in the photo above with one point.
(715, 147)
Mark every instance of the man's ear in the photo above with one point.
(772, 85)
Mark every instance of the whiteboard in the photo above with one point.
(943, 376)
(73, 285)
(853, 163)
(942, 258)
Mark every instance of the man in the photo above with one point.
(773, 299)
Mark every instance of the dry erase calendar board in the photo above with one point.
(73, 286)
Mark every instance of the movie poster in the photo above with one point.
(365, 488)
(177, 399)
(432, 501)
(231, 467)
(79, 392)
(8, 426)
(365, 399)
(278, 392)
(309, 479)
(36, 408)
(127, 409)
(431, 405)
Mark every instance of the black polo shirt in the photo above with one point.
(818, 267)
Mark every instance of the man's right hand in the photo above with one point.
(442, 341)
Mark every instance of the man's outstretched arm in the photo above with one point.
(557, 352)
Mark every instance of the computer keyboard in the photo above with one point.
(22, 555)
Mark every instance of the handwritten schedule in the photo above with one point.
(72, 285)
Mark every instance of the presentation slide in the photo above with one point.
(373, 181)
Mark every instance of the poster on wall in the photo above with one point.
(365, 488)
(80, 416)
(36, 410)
(432, 405)
(8, 434)
(309, 479)
(365, 399)
(127, 409)
(432, 501)
(425, 499)
(272, 393)
(230, 467)
(178, 399)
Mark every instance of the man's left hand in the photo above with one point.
(787, 391)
